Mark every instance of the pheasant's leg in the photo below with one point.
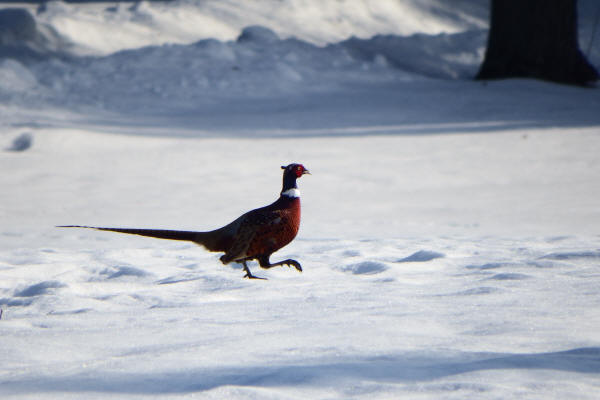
(264, 263)
(249, 274)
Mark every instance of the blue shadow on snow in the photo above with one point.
(389, 369)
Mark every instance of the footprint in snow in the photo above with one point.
(421, 256)
(509, 277)
(571, 255)
(173, 279)
(365, 268)
(21, 302)
(124, 271)
(39, 289)
(21, 142)
(486, 266)
(477, 291)
(351, 253)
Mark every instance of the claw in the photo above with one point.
(250, 276)
(264, 263)
(295, 264)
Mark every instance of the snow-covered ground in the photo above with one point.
(449, 240)
(133, 25)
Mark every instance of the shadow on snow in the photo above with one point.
(388, 369)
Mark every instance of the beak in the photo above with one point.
(306, 172)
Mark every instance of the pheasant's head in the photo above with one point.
(290, 174)
(294, 170)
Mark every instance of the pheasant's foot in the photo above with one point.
(264, 263)
(249, 274)
(289, 262)
(293, 263)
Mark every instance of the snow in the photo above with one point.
(449, 238)
(21, 142)
(105, 29)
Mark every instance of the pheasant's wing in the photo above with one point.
(256, 235)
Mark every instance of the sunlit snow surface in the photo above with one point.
(449, 236)
(459, 265)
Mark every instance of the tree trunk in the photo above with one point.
(535, 39)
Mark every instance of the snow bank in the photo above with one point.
(107, 28)
(24, 39)
(162, 79)
(261, 67)
(15, 78)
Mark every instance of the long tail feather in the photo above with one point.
(217, 240)
(155, 233)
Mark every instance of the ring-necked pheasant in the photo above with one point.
(253, 236)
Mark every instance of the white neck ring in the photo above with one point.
(293, 192)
